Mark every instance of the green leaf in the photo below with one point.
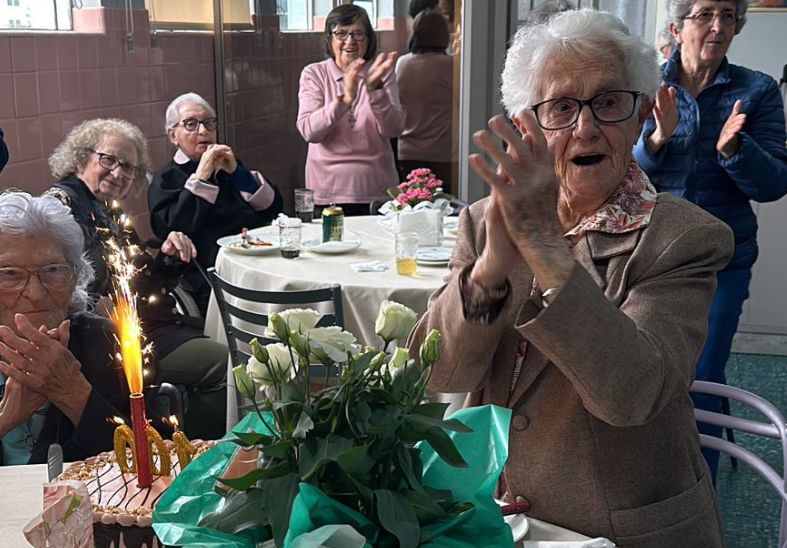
(397, 516)
(245, 482)
(436, 410)
(291, 392)
(278, 495)
(240, 511)
(393, 191)
(305, 424)
(249, 439)
(404, 462)
(361, 414)
(444, 446)
(279, 450)
(426, 508)
(356, 461)
(423, 423)
(315, 453)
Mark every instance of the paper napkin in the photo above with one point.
(370, 266)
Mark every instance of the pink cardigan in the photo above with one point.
(347, 163)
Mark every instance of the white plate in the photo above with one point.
(451, 224)
(332, 248)
(517, 522)
(228, 241)
(439, 255)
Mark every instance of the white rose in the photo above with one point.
(331, 343)
(299, 320)
(280, 365)
(394, 321)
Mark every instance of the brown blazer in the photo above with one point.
(602, 438)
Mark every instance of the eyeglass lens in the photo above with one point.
(356, 35)
(727, 18)
(192, 124)
(107, 161)
(609, 107)
(56, 276)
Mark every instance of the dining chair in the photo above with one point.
(773, 426)
(244, 315)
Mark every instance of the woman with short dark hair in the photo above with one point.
(426, 85)
(348, 111)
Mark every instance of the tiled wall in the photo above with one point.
(51, 82)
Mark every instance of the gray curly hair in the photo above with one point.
(24, 215)
(677, 10)
(574, 34)
(172, 116)
(72, 154)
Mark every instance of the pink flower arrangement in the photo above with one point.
(421, 186)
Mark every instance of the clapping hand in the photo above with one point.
(40, 362)
(665, 114)
(729, 141)
(381, 66)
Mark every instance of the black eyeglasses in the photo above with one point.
(357, 35)
(107, 161)
(192, 124)
(608, 107)
(55, 276)
(705, 18)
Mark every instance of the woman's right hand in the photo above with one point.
(665, 114)
(351, 78)
(19, 402)
(210, 160)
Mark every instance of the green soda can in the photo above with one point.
(332, 224)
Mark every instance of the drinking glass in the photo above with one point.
(406, 250)
(290, 237)
(304, 204)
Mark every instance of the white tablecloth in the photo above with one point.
(22, 499)
(362, 291)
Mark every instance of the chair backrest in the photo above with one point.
(246, 315)
(773, 427)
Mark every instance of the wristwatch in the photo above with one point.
(548, 295)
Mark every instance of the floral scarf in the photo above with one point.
(629, 208)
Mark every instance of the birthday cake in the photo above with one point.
(122, 511)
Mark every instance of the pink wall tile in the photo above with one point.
(46, 52)
(67, 52)
(89, 95)
(87, 54)
(110, 50)
(69, 90)
(48, 92)
(51, 133)
(7, 105)
(23, 53)
(26, 94)
(107, 87)
(5, 54)
(29, 135)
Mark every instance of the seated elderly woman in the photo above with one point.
(578, 296)
(205, 191)
(99, 162)
(57, 379)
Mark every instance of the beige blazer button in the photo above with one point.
(520, 422)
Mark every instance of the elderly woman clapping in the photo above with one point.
(716, 138)
(58, 383)
(103, 160)
(205, 191)
(578, 297)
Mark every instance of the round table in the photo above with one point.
(362, 292)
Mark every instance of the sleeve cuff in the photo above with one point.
(481, 305)
(201, 189)
(263, 197)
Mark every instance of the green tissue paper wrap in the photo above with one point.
(315, 517)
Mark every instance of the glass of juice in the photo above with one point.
(406, 250)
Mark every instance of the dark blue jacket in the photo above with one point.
(688, 165)
(3, 151)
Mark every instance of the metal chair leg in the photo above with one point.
(725, 408)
